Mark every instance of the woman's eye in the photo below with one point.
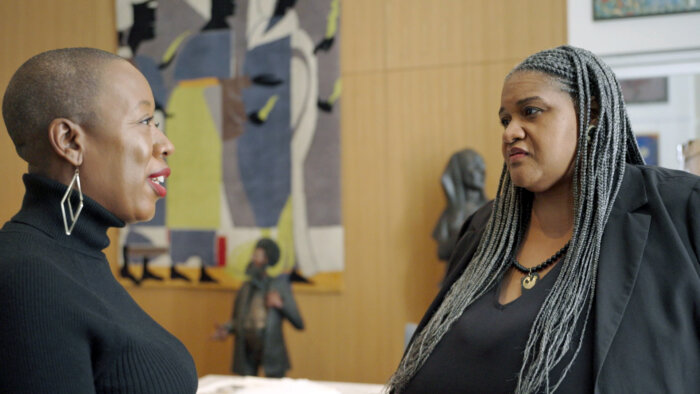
(147, 121)
(528, 111)
(505, 121)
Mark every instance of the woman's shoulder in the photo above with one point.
(33, 288)
(665, 177)
(20, 244)
(672, 198)
(674, 188)
(24, 235)
(30, 260)
(478, 219)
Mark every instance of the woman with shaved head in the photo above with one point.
(82, 119)
(583, 274)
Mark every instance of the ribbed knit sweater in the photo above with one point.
(66, 324)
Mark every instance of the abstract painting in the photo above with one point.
(248, 92)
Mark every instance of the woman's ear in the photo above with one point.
(66, 138)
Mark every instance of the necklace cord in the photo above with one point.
(543, 265)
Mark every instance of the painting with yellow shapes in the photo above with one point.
(248, 93)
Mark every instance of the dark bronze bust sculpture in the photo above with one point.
(463, 184)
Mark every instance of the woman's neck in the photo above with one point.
(553, 211)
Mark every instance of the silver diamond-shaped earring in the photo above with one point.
(66, 197)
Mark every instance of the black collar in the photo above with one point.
(632, 194)
(41, 209)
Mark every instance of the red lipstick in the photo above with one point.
(157, 180)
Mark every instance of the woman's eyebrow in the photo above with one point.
(143, 103)
(521, 102)
(528, 99)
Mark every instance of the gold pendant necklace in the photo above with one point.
(531, 277)
(529, 281)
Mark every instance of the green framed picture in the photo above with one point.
(614, 9)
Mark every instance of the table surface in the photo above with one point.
(225, 384)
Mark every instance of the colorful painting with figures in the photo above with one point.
(248, 92)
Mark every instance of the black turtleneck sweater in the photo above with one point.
(66, 324)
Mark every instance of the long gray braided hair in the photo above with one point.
(601, 154)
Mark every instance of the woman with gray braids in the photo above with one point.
(583, 274)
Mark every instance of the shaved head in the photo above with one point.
(61, 83)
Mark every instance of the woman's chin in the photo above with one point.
(526, 180)
(141, 216)
(519, 180)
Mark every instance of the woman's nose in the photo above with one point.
(162, 146)
(513, 132)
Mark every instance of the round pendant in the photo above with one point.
(529, 281)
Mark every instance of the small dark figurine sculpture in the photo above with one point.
(260, 307)
(463, 183)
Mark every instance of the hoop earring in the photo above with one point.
(66, 197)
(590, 131)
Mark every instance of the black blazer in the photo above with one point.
(647, 302)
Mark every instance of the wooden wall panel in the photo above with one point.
(28, 27)
(363, 35)
(512, 29)
(426, 125)
(425, 33)
(422, 79)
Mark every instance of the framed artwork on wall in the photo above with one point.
(645, 90)
(609, 9)
(649, 148)
(248, 92)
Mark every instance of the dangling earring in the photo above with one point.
(590, 131)
(66, 196)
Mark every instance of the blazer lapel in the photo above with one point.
(620, 257)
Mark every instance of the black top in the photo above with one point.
(645, 321)
(483, 351)
(66, 325)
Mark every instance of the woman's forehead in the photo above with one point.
(124, 86)
(523, 84)
(533, 79)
